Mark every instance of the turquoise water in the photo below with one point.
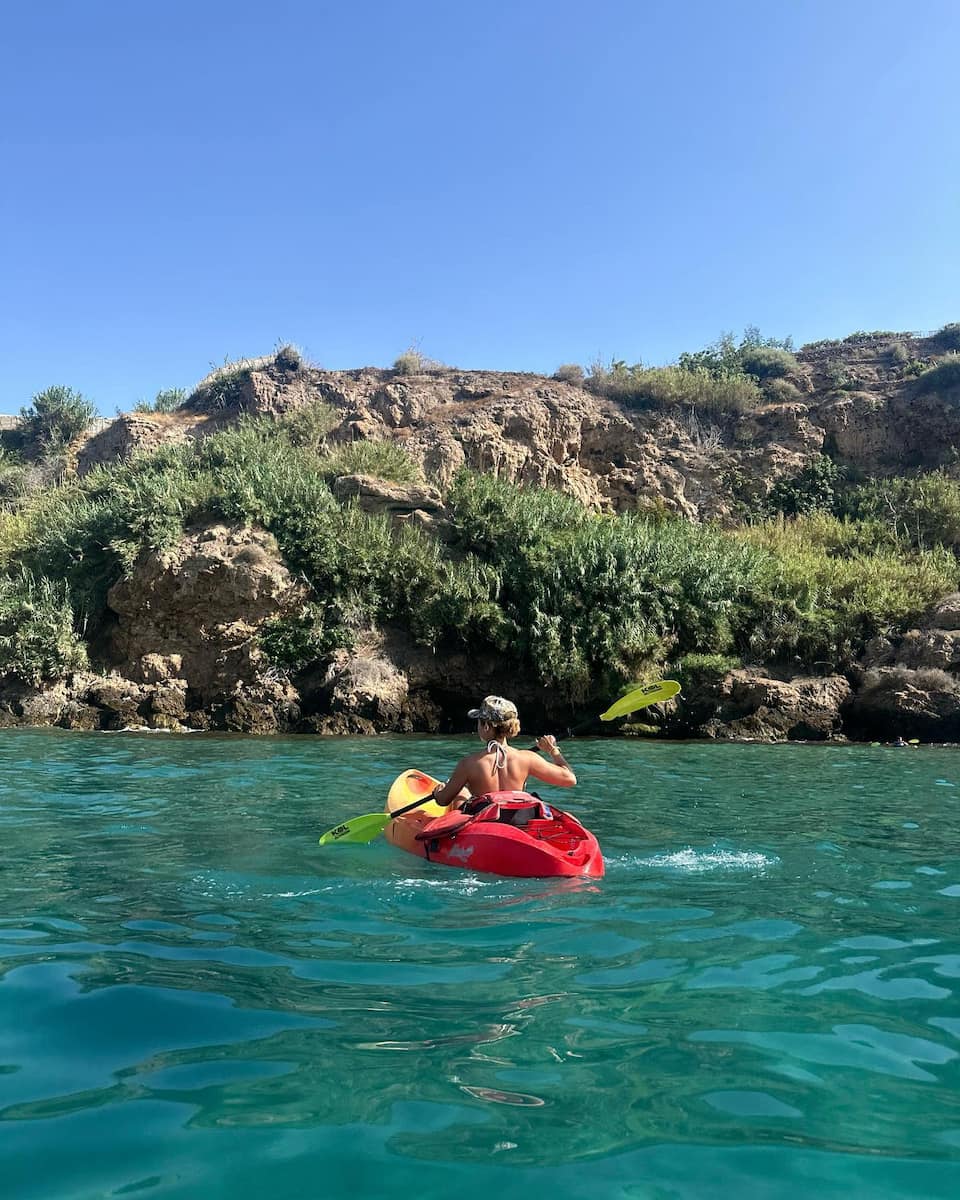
(761, 998)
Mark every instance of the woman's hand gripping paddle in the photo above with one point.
(371, 825)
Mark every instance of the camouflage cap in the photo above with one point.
(494, 709)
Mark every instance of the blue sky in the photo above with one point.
(508, 184)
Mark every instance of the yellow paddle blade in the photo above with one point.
(359, 829)
(641, 697)
(410, 790)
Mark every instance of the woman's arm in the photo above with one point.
(446, 793)
(558, 771)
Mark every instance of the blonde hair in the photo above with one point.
(503, 729)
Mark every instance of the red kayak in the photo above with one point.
(502, 833)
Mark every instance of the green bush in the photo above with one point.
(675, 387)
(698, 669)
(13, 476)
(294, 642)
(943, 377)
(814, 488)
(948, 338)
(589, 600)
(38, 642)
(288, 358)
(308, 426)
(55, 417)
(767, 362)
(780, 391)
(726, 356)
(821, 599)
(923, 511)
(383, 460)
(166, 401)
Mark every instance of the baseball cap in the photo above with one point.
(493, 709)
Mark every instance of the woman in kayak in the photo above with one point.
(501, 768)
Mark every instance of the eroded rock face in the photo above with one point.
(130, 434)
(367, 693)
(850, 398)
(750, 704)
(900, 702)
(196, 609)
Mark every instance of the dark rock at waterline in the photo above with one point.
(754, 704)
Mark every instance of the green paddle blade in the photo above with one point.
(641, 697)
(358, 829)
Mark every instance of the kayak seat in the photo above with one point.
(521, 814)
(509, 808)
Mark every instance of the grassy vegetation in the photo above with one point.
(580, 602)
(943, 377)
(385, 460)
(574, 601)
(922, 511)
(38, 640)
(726, 377)
(675, 387)
(827, 589)
(166, 401)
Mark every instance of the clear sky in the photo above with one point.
(508, 183)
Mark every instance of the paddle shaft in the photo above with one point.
(398, 812)
(384, 819)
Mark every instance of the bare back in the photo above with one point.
(480, 773)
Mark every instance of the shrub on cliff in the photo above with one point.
(296, 641)
(55, 417)
(38, 642)
(383, 460)
(166, 401)
(590, 598)
(698, 670)
(815, 488)
(726, 355)
(309, 425)
(924, 510)
(570, 373)
(674, 387)
(822, 598)
(948, 338)
(767, 362)
(944, 377)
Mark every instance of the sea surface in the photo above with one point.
(761, 999)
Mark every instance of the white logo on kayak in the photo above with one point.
(461, 853)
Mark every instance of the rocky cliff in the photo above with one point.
(181, 649)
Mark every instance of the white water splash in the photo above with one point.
(698, 861)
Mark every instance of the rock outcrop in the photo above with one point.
(855, 398)
(193, 612)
